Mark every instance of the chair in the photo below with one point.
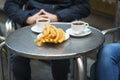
(1, 60)
(2, 52)
(111, 35)
(9, 27)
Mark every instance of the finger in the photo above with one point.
(40, 17)
(44, 12)
(44, 16)
(41, 12)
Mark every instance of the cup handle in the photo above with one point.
(86, 24)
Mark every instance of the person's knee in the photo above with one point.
(107, 50)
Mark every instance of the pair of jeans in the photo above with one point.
(22, 71)
(107, 65)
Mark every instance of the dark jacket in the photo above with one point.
(66, 10)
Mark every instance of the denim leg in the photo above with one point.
(107, 64)
(20, 67)
(60, 69)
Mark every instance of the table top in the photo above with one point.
(21, 41)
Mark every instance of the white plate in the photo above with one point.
(86, 32)
(67, 36)
(35, 29)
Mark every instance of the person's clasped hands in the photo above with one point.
(41, 14)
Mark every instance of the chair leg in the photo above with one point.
(1, 61)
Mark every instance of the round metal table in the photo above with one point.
(22, 43)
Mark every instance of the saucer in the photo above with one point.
(36, 29)
(67, 36)
(86, 32)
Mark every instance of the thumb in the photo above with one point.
(43, 11)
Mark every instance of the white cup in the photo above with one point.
(40, 23)
(78, 26)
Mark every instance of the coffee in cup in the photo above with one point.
(78, 26)
(40, 22)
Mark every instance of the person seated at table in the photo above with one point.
(56, 11)
(107, 65)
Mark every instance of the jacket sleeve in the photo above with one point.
(14, 11)
(80, 9)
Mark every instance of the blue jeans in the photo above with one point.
(22, 71)
(107, 65)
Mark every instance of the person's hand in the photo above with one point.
(52, 17)
(41, 14)
(32, 19)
